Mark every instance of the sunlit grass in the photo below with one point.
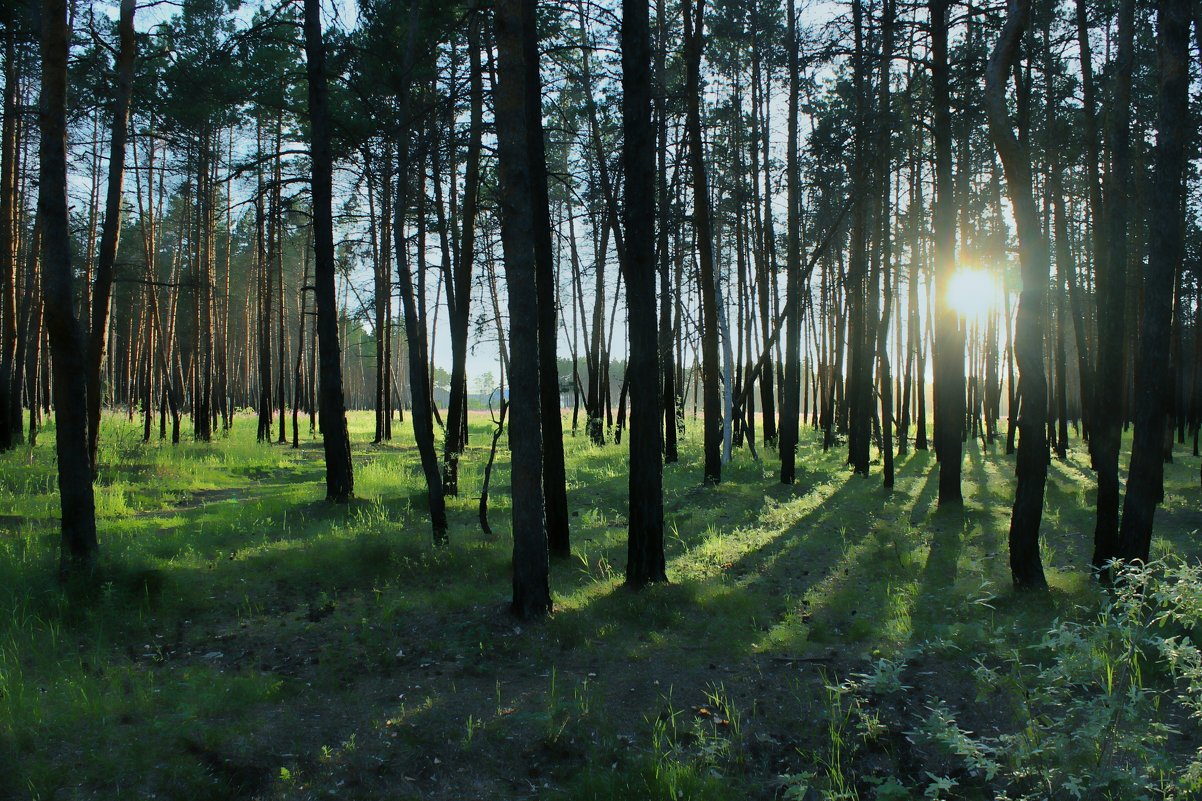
(106, 688)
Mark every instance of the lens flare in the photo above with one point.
(972, 293)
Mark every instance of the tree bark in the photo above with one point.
(787, 434)
(645, 562)
(10, 389)
(694, 26)
(948, 350)
(79, 548)
(668, 403)
(111, 231)
(1111, 291)
(459, 285)
(531, 589)
(1165, 254)
(331, 410)
(1032, 465)
(554, 474)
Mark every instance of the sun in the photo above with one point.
(972, 293)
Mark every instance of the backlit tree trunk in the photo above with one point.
(948, 350)
(1026, 567)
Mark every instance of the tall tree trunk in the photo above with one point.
(10, 411)
(861, 287)
(76, 501)
(948, 350)
(1096, 212)
(335, 440)
(1032, 464)
(789, 405)
(645, 561)
(263, 256)
(554, 474)
(111, 231)
(298, 371)
(1165, 254)
(694, 26)
(1111, 278)
(459, 285)
(531, 590)
(667, 363)
(884, 232)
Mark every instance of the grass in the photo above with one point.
(246, 640)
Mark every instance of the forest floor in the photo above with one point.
(247, 640)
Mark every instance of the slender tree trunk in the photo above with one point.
(884, 224)
(1032, 466)
(111, 231)
(790, 400)
(948, 350)
(76, 501)
(336, 441)
(298, 371)
(694, 25)
(554, 474)
(861, 285)
(667, 363)
(459, 285)
(10, 389)
(1111, 278)
(1096, 213)
(645, 561)
(531, 591)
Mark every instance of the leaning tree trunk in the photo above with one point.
(1165, 255)
(77, 503)
(421, 402)
(1032, 464)
(335, 440)
(531, 589)
(111, 232)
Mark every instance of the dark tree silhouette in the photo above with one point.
(531, 590)
(76, 500)
(949, 335)
(1166, 251)
(694, 27)
(790, 405)
(111, 232)
(645, 539)
(340, 483)
(1032, 466)
(1111, 270)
